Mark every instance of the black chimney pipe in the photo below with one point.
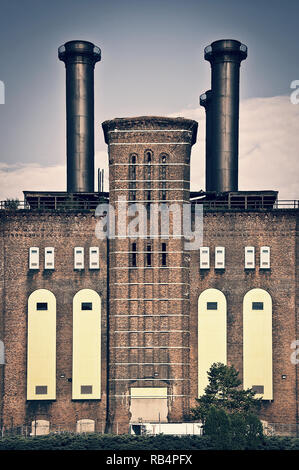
(225, 57)
(205, 100)
(80, 58)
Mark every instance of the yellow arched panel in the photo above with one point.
(41, 346)
(86, 381)
(257, 343)
(211, 333)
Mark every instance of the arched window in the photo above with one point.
(40, 427)
(163, 175)
(86, 380)
(257, 343)
(211, 333)
(133, 159)
(85, 425)
(132, 177)
(41, 346)
(148, 158)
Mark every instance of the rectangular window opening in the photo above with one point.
(149, 255)
(41, 306)
(134, 255)
(212, 305)
(86, 306)
(41, 389)
(86, 389)
(258, 388)
(164, 254)
(257, 305)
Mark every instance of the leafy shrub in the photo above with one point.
(93, 441)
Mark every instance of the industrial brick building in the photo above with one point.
(100, 333)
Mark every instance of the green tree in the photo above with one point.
(218, 428)
(224, 392)
(228, 412)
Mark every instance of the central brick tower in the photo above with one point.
(149, 159)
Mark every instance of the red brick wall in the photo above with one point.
(234, 231)
(135, 356)
(63, 231)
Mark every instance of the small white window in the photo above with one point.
(219, 257)
(78, 257)
(94, 257)
(34, 258)
(49, 257)
(204, 257)
(265, 257)
(249, 257)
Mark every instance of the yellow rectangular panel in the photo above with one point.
(86, 380)
(257, 342)
(41, 346)
(211, 334)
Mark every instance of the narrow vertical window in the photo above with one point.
(132, 177)
(148, 156)
(148, 255)
(163, 176)
(164, 255)
(148, 210)
(133, 255)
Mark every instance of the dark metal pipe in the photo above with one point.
(225, 57)
(205, 100)
(80, 58)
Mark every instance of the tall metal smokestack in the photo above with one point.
(225, 57)
(80, 58)
(205, 100)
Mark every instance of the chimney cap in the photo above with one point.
(79, 48)
(226, 47)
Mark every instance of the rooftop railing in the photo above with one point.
(85, 205)
(247, 204)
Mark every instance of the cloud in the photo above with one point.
(269, 147)
(14, 179)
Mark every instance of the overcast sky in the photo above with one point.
(152, 64)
